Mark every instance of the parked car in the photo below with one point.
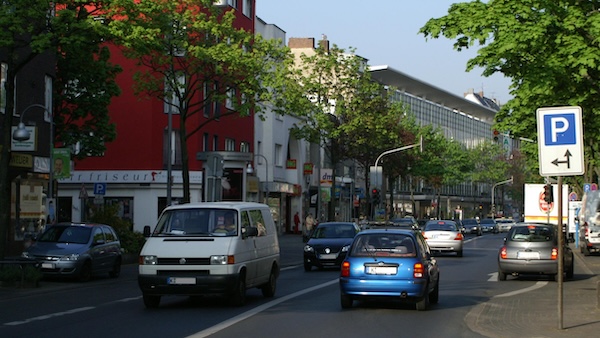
(589, 238)
(489, 225)
(532, 248)
(504, 224)
(210, 248)
(328, 244)
(389, 264)
(472, 226)
(444, 236)
(77, 250)
(405, 222)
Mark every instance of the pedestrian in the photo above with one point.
(309, 223)
(296, 222)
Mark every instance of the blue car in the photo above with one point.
(389, 264)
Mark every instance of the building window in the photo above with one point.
(3, 76)
(229, 144)
(247, 9)
(215, 145)
(216, 106)
(205, 140)
(244, 147)
(205, 93)
(233, 3)
(175, 155)
(278, 155)
(230, 98)
(172, 95)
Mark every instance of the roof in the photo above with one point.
(405, 83)
(218, 205)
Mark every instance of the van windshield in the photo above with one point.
(198, 222)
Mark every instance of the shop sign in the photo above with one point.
(308, 168)
(290, 164)
(21, 160)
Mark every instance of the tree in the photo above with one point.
(547, 48)
(30, 31)
(191, 55)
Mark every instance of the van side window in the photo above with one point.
(245, 221)
(258, 221)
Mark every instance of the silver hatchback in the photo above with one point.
(532, 248)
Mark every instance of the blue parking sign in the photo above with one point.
(560, 129)
(99, 188)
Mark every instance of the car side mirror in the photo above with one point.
(146, 231)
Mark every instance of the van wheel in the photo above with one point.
(345, 301)
(570, 270)
(307, 267)
(501, 275)
(434, 296)
(151, 302)
(238, 297)
(116, 271)
(268, 289)
(86, 272)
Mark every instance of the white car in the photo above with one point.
(504, 225)
(444, 236)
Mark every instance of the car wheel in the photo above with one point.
(238, 297)
(116, 271)
(86, 272)
(346, 301)
(585, 251)
(459, 253)
(268, 289)
(151, 302)
(479, 233)
(434, 296)
(501, 276)
(307, 267)
(423, 303)
(571, 270)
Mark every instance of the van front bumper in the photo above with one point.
(159, 285)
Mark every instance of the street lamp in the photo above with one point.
(22, 134)
(250, 170)
(493, 193)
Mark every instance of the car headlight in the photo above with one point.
(71, 257)
(26, 254)
(345, 248)
(218, 260)
(148, 260)
(308, 248)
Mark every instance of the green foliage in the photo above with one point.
(131, 241)
(549, 49)
(10, 273)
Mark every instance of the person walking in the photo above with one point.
(309, 223)
(296, 223)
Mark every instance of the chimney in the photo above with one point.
(324, 43)
(301, 43)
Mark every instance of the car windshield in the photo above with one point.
(440, 226)
(334, 231)
(488, 221)
(386, 245)
(197, 222)
(469, 222)
(66, 234)
(531, 234)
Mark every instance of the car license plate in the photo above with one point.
(47, 266)
(382, 270)
(328, 256)
(181, 280)
(528, 255)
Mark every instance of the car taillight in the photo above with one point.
(345, 270)
(423, 233)
(459, 237)
(418, 270)
(503, 254)
(554, 254)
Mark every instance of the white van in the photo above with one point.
(210, 248)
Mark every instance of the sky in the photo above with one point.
(386, 33)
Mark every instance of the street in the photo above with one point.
(306, 305)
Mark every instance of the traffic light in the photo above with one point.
(496, 135)
(548, 193)
(375, 195)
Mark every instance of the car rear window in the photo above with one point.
(532, 234)
(444, 226)
(380, 245)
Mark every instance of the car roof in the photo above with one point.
(86, 224)
(385, 230)
(336, 223)
(218, 205)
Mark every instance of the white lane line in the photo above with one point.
(223, 325)
(516, 292)
(51, 315)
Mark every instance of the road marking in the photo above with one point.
(516, 292)
(51, 315)
(223, 325)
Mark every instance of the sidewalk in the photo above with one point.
(537, 314)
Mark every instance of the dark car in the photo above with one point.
(77, 250)
(489, 225)
(472, 226)
(390, 264)
(328, 244)
(532, 248)
(405, 222)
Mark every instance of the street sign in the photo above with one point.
(560, 141)
(99, 188)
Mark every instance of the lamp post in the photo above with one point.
(493, 193)
(22, 134)
(251, 170)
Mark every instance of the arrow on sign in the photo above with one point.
(568, 156)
